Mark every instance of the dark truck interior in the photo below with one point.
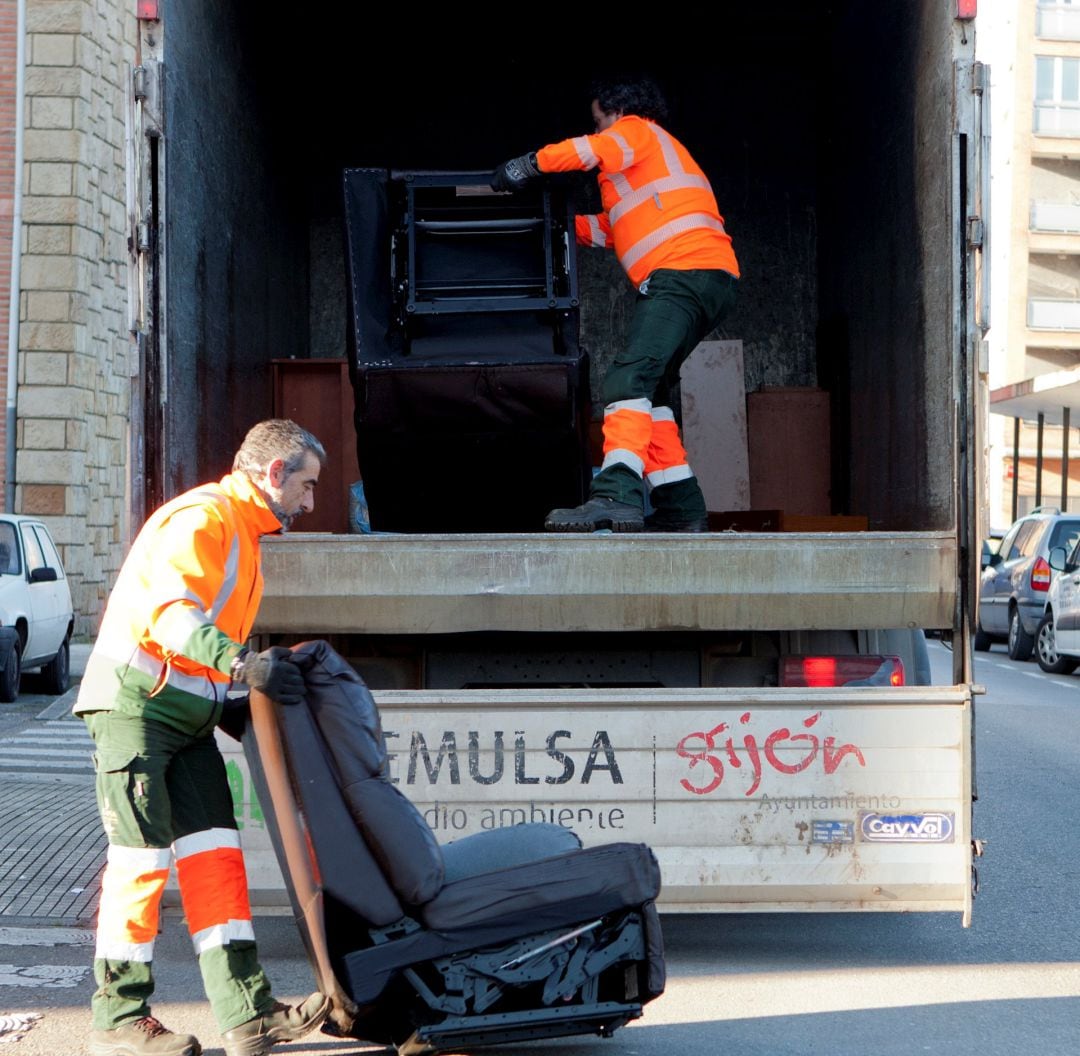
(806, 118)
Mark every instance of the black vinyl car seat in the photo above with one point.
(506, 935)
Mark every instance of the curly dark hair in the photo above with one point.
(640, 96)
(276, 438)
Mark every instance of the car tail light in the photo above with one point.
(1040, 575)
(841, 671)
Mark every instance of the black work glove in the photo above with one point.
(272, 672)
(512, 175)
(234, 717)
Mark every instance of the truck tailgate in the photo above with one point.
(396, 584)
(754, 801)
(778, 799)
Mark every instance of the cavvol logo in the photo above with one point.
(934, 827)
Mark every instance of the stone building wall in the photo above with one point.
(74, 342)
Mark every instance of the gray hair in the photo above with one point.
(272, 439)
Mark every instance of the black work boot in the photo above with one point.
(281, 1023)
(678, 507)
(143, 1037)
(670, 521)
(596, 514)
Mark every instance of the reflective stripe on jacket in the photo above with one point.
(659, 208)
(184, 602)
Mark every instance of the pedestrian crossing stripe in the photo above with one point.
(61, 747)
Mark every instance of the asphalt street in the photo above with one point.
(845, 984)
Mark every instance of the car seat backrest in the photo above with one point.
(346, 868)
(393, 829)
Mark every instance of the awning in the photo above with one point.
(1047, 394)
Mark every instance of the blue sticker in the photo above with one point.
(832, 832)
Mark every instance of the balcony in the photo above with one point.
(1055, 217)
(1057, 22)
(1054, 228)
(1053, 314)
(1057, 119)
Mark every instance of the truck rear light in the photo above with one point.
(841, 671)
(966, 10)
(1040, 575)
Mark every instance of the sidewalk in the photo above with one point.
(52, 849)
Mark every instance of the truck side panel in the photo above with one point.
(886, 264)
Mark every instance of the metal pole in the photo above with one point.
(1039, 460)
(1016, 469)
(1064, 459)
(11, 408)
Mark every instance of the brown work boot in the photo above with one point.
(143, 1037)
(280, 1023)
(596, 515)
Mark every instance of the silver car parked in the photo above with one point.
(1057, 642)
(1015, 583)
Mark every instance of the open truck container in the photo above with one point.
(652, 688)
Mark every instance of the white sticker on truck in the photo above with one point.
(934, 827)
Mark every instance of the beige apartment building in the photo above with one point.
(1035, 344)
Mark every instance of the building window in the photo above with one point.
(1057, 95)
(1058, 20)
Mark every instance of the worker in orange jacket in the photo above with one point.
(661, 218)
(171, 643)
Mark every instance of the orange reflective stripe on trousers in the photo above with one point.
(627, 428)
(131, 890)
(665, 448)
(213, 887)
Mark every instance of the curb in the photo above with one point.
(61, 707)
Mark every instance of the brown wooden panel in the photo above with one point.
(317, 394)
(788, 433)
(798, 522)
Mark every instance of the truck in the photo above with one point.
(754, 702)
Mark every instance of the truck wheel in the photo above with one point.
(56, 674)
(11, 676)
(981, 642)
(1046, 653)
(1020, 642)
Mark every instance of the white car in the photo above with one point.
(36, 616)
(1057, 641)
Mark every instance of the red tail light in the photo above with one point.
(1040, 575)
(841, 671)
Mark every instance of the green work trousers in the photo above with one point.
(674, 311)
(155, 785)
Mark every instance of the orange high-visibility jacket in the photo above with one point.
(659, 208)
(184, 602)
